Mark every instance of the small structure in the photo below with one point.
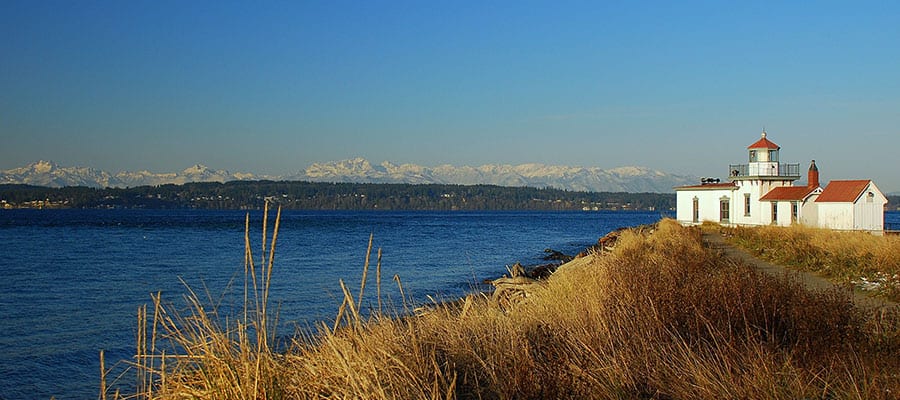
(851, 205)
(762, 192)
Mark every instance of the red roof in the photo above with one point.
(711, 186)
(788, 193)
(764, 144)
(843, 191)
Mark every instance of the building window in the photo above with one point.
(773, 155)
(696, 209)
(870, 197)
(753, 156)
(774, 212)
(724, 210)
(795, 209)
(746, 204)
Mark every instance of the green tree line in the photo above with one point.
(331, 196)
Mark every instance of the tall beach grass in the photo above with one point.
(659, 317)
(871, 263)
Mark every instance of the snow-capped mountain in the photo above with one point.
(195, 173)
(360, 170)
(48, 173)
(623, 179)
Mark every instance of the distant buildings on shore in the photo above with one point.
(762, 192)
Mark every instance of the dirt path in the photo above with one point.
(811, 281)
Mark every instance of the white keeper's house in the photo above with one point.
(762, 192)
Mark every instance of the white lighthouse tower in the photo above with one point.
(762, 173)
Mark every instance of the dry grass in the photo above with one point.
(871, 263)
(660, 317)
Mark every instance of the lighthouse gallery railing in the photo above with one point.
(764, 169)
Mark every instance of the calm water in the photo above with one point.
(71, 281)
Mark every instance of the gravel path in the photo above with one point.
(811, 281)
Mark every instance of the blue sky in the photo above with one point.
(682, 87)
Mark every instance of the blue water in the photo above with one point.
(71, 281)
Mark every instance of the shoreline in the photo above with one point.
(631, 313)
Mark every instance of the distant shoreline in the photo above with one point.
(251, 195)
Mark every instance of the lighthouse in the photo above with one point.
(764, 165)
(738, 201)
(762, 173)
(762, 192)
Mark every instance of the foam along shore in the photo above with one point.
(659, 316)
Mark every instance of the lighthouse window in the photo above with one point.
(746, 204)
(752, 155)
(773, 155)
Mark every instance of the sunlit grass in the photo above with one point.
(871, 263)
(659, 317)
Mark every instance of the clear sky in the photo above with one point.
(271, 87)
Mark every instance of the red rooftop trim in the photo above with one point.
(843, 191)
(796, 193)
(764, 144)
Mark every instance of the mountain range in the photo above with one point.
(360, 170)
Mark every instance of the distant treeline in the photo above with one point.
(330, 196)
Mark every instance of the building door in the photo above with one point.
(724, 210)
(696, 210)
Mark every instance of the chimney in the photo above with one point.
(813, 177)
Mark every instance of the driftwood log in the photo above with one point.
(521, 284)
(509, 292)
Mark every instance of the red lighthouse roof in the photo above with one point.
(788, 193)
(843, 191)
(764, 143)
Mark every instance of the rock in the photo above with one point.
(556, 255)
(543, 271)
(604, 244)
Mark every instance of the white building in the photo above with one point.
(851, 205)
(762, 192)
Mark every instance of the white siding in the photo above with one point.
(739, 216)
(760, 211)
(784, 213)
(709, 201)
(684, 205)
(809, 215)
(868, 212)
(835, 215)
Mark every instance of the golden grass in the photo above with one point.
(871, 263)
(660, 317)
